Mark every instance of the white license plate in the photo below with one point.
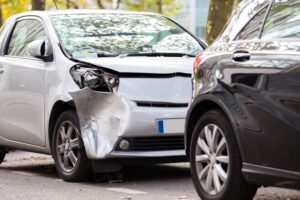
(170, 126)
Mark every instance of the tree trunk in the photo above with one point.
(142, 5)
(159, 5)
(117, 4)
(219, 12)
(100, 4)
(38, 4)
(68, 4)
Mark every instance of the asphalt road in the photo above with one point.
(33, 176)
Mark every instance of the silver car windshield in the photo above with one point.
(96, 35)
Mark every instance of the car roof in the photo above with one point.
(82, 11)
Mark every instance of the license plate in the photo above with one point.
(170, 126)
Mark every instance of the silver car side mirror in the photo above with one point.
(40, 49)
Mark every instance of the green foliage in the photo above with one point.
(167, 7)
(11, 7)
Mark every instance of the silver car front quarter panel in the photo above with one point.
(103, 117)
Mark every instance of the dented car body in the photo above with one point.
(107, 117)
(123, 76)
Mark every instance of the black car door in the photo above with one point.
(265, 75)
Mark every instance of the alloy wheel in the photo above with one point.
(212, 159)
(67, 146)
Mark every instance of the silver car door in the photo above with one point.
(22, 86)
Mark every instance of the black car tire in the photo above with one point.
(2, 156)
(235, 187)
(80, 171)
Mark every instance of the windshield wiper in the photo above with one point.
(106, 54)
(156, 54)
(93, 56)
(93, 51)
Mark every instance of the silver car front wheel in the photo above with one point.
(67, 146)
(68, 150)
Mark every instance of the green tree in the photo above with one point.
(166, 7)
(219, 13)
(11, 7)
(67, 4)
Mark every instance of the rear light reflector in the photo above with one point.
(197, 61)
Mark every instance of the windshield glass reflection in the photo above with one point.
(97, 35)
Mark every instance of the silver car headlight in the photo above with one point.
(94, 78)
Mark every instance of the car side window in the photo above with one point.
(253, 28)
(25, 31)
(283, 20)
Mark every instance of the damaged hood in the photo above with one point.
(175, 87)
(143, 64)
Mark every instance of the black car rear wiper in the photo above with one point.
(156, 54)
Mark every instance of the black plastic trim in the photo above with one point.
(161, 143)
(264, 175)
(161, 104)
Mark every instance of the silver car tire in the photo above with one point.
(68, 150)
(215, 160)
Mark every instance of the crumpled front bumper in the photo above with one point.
(107, 117)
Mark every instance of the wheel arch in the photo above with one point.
(59, 107)
(201, 105)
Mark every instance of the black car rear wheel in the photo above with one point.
(68, 151)
(215, 160)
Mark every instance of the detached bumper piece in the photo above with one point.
(168, 143)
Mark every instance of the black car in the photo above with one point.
(243, 125)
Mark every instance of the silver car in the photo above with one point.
(95, 88)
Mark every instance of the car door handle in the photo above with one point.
(241, 56)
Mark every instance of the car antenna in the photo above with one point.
(55, 4)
